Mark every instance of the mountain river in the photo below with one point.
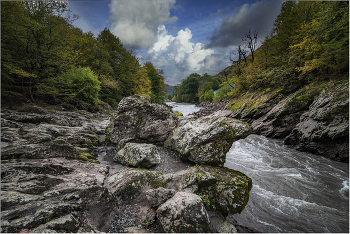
(292, 191)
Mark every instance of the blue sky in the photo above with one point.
(179, 36)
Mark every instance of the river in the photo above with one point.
(292, 191)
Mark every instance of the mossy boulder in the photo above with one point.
(129, 183)
(207, 139)
(223, 189)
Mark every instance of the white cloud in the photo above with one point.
(179, 57)
(136, 22)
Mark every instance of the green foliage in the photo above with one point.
(222, 93)
(198, 176)
(76, 84)
(146, 223)
(309, 43)
(39, 44)
(187, 90)
(205, 199)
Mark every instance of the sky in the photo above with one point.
(179, 36)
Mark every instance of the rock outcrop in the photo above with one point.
(52, 181)
(184, 212)
(138, 155)
(139, 120)
(54, 195)
(207, 139)
(313, 118)
(324, 128)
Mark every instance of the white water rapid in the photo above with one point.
(292, 191)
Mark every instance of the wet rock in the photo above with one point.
(324, 128)
(184, 212)
(208, 139)
(138, 155)
(225, 190)
(282, 118)
(138, 120)
(156, 197)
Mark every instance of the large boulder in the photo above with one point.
(139, 120)
(138, 155)
(184, 212)
(324, 128)
(224, 190)
(207, 139)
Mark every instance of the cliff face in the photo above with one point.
(314, 118)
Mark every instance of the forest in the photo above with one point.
(309, 43)
(46, 59)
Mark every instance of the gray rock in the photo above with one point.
(145, 216)
(54, 195)
(138, 155)
(129, 183)
(226, 190)
(184, 212)
(138, 120)
(220, 225)
(158, 196)
(324, 129)
(207, 139)
(135, 230)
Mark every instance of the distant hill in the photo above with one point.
(169, 89)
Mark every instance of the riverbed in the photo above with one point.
(292, 191)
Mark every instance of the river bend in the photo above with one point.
(292, 191)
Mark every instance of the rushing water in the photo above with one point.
(184, 108)
(292, 191)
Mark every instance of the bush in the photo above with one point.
(222, 93)
(77, 85)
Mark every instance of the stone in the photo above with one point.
(324, 128)
(136, 230)
(156, 197)
(145, 217)
(54, 195)
(138, 155)
(184, 212)
(220, 225)
(207, 139)
(225, 190)
(129, 183)
(139, 120)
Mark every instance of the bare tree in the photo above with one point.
(251, 42)
(236, 57)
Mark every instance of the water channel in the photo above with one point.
(292, 191)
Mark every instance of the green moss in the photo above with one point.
(178, 113)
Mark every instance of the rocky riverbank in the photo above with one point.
(313, 118)
(53, 178)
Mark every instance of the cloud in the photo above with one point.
(136, 22)
(179, 57)
(259, 16)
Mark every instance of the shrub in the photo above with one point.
(77, 85)
(222, 93)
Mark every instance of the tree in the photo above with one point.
(251, 41)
